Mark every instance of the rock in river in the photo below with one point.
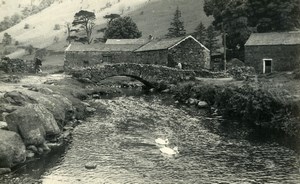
(90, 165)
(3, 125)
(12, 149)
(202, 104)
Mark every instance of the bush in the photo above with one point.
(56, 27)
(29, 49)
(56, 39)
(26, 26)
(241, 72)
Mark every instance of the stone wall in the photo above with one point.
(16, 66)
(91, 58)
(156, 57)
(285, 57)
(191, 55)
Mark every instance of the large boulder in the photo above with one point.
(33, 122)
(61, 108)
(18, 98)
(12, 149)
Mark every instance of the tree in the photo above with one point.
(177, 27)
(211, 41)
(6, 39)
(111, 17)
(200, 33)
(122, 28)
(274, 15)
(15, 19)
(85, 20)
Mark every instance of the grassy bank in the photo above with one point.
(256, 107)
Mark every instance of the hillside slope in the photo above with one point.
(155, 18)
(41, 31)
(10, 7)
(152, 17)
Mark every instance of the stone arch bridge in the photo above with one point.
(150, 75)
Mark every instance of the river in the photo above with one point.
(120, 140)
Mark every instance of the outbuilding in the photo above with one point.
(273, 52)
(184, 52)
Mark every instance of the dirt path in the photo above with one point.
(29, 80)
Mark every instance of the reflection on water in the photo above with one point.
(122, 144)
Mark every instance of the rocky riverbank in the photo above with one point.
(38, 114)
(274, 113)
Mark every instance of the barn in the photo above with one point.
(167, 52)
(273, 52)
(113, 51)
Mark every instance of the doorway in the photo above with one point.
(267, 66)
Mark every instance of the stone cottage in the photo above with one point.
(273, 52)
(169, 52)
(187, 51)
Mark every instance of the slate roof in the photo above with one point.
(102, 47)
(274, 38)
(136, 45)
(127, 41)
(163, 44)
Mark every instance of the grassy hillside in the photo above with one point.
(40, 32)
(155, 18)
(10, 7)
(152, 17)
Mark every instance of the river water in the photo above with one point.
(120, 140)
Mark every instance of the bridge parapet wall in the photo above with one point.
(148, 74)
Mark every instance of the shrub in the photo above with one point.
(29, 49)
(56, 27)
(26, 26)
(56, 39)
(241, 72)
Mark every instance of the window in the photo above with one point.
(107, 58)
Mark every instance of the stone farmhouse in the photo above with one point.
(167, 52)
(273, 52)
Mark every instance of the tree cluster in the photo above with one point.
(10, 21)
(239, 18)
(27, 11)
(207, 37)
(7, 39)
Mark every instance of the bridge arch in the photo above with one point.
(145, 82)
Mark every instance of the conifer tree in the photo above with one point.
(211, 41)
(200, 33)
(177, 27)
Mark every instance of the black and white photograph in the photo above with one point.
(149, 91)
